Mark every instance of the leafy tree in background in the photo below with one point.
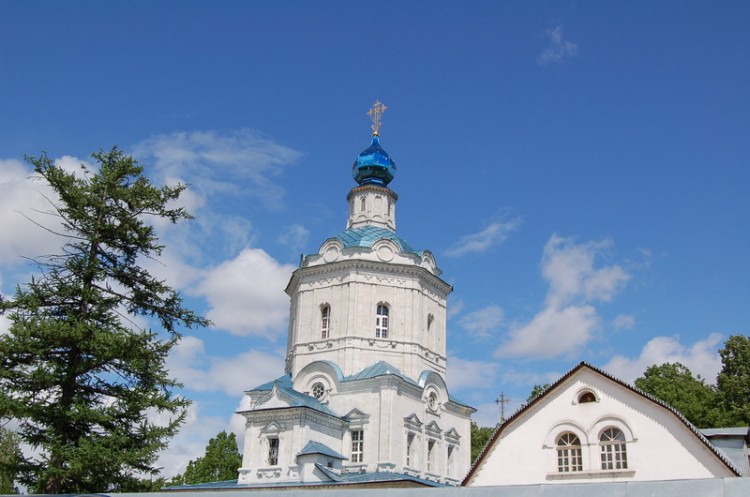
(220, 462)
(479, 438)
(675, 384)
(10, 456)
(537, 391)
(733, 382)
(83, 381)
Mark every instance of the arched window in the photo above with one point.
(325, 321)
(586, 397)
(569, 453)
(381, 321)
(362, 205)
(614, 451)
(273, 451)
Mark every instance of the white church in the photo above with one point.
(364, 397)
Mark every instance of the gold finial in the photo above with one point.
(375, 112)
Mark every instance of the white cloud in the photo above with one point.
(494, 234)
(22, 197)
(569, 319)
(701, 357)
(4, 324)
(190, 442)
(465, 374)
(295, 237)
(552, 333)
(569, 268)
(191, 366)
(558, 48)
(221, 163)
(246, 294)
(454, 308)
(623, 322)
(482, 322)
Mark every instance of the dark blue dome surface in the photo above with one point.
(374, 165)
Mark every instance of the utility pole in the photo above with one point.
(502, 400)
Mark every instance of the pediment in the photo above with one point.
(276, 398)
(433, 427)
(412, 420)
(357, 417)
(274, 427)
(452, 434)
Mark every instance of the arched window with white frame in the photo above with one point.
(613, 449)
(325, 321)
(569, 456)
(381, 321)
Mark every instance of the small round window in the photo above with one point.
(432, 401)
(318, 390)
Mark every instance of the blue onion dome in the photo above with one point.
(374, 166)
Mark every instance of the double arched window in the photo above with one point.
(569, 457)
(614, 450)
(381, 321)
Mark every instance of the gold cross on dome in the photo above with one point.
(375, 112)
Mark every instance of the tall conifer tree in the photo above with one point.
(83, 381)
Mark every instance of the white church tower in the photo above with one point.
(364, 397)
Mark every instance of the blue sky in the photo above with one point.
(579, 169)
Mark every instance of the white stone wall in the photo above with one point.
(417, 317)
(371, 205)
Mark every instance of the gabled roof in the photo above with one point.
(380, 368)
(283, 385)
(319, 448)
(584, 365)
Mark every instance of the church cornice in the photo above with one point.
(347, 341)
(372, 188)
(429, 280)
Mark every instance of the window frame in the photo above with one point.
(325, 321)
(382, 320)
(614, 450)
(358, 445)
(569, 453)
(273, 451)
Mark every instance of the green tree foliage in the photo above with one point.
(80, 377)
(10, 457)
(675, 384)
(733, 382)
(220, 462)
(479, 438)
(537, 391)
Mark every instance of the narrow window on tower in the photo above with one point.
(381, 321)
(358, 440)
(409, 445)
(325, 324)
(273, 451)
(431, 455)
(362, 205)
